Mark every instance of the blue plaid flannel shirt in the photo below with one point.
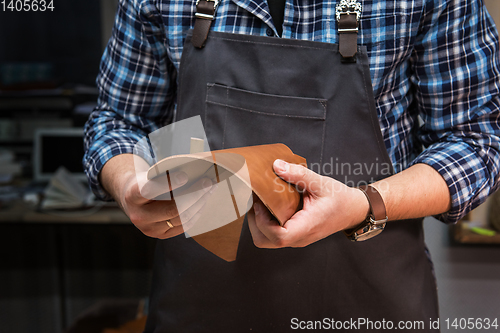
(434, 67)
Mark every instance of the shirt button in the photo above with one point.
(269, 32)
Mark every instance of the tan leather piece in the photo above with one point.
(223, 242)
(281, 198)
(348, 40)
(202, 25)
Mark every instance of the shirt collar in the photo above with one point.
(258, 8)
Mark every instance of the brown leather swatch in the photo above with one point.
(282, 199)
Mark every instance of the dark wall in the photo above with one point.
(68, 38)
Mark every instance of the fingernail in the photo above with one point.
(280, 165)
(181, 178)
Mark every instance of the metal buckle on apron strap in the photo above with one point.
(348, 13)
(205, 13)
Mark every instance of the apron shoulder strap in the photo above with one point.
(348, 13)
(205, 13)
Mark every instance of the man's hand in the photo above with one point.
(329, 207)
(131, 191)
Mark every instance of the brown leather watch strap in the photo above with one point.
(377, 206)
(205, 11)
(377, 216)
(348, 35)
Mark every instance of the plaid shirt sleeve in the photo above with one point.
(136, 94)
(456, 59)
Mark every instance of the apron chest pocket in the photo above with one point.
(237, 118)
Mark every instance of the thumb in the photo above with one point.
(299, 175)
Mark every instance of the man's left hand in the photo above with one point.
(329, 206)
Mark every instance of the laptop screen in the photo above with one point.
(55, 147)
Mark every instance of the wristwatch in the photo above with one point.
(375, 222)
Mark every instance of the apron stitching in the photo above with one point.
(265, 113)
(262, 43)
(324, 130)
(225, 119)
(206, 102)
(314, 99)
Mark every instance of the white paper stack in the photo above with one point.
(65, 191)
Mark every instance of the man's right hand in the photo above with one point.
(130, 189)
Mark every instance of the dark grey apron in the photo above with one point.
(252, 90)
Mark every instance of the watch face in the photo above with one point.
(369, 234)
(368, 231)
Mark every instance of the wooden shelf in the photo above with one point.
(465, 236)
(481, 216)
(20, 213)
(461, 234)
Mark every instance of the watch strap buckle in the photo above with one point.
(378, 222)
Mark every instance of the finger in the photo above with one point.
(274, 235)
(164, 229)
(167, 232)
(259, 239)
(158, 188)
(299, 230)
(158, 211)
(186, 220)
(190, 196)
(153, 211)
(175, 217)
(160, 230)
(299, 175)
(186, 216)
(188, 225)
(170, 228)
